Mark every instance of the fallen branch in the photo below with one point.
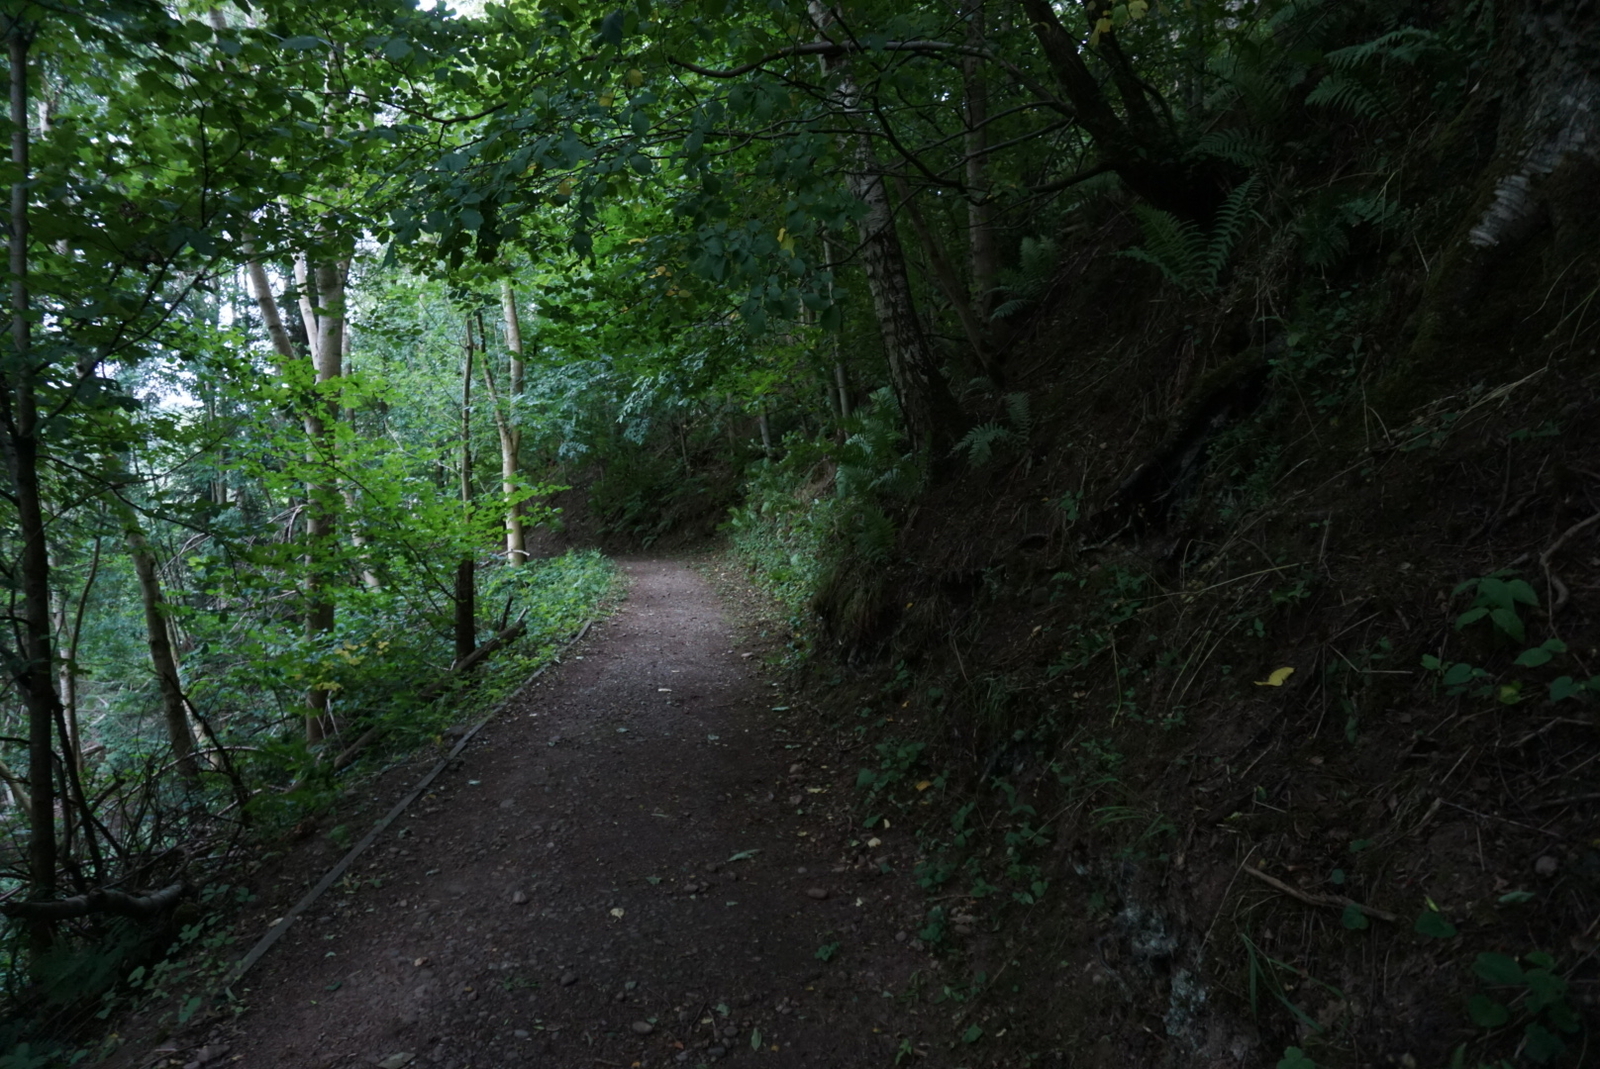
(118, 902)
(1330, 901)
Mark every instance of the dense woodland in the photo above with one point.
(1136, 352)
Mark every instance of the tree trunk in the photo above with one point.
(180, 734)
(322, 494)
(33, 666)
(510, 432)
(948, 281)
(1532, 229)
(466, 618)
(271, 318)
(1139, 149)
(983, 256)
(932, 418)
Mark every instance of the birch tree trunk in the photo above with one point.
(510, 432)
(932, 418)
(322, 494)
(466, 615)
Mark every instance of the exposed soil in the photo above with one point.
(633, 865)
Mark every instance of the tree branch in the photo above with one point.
(101, 901)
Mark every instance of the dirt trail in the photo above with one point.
(613, 873)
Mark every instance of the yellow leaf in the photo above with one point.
(565, 188)
(606, 98)
(618, 912)
(1276, 678)
(636, 76)
(1138, 9)
(1103, 26)
(924, 784)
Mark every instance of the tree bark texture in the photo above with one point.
(932, 418)
(510, 433)
(325, 326)
(180, 734)
(983, 256)
(33, 664)
(1138, 147)
(1527, 251)
(466, 589)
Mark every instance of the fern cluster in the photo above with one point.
(1025, 284)
(1190, 258)
(978, 444)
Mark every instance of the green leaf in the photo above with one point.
(304, 43)
(397, 48)
(1564, 687)
(1337, 877)
(1544, 989)
(1522, 592)
(1458, 675)
(1295, 1058)
(611, 29)
(1434, 925)
(1486, 1012)
(1354, 919)
(1516, 898)
(972, 1034)
(1431, 663)
(1497, 969)
(1541, 1044)
(1509, 622)
(755, 1039)
(1471, 616)
(1533, 658)
(1539, 959)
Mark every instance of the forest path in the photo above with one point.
(614, 872)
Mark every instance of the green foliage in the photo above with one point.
(1495, 598)
(1022, 286)
(1536, 991)
(1186, 256)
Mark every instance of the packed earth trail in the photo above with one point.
(617, 871)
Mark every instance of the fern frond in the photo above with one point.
(1026, 283)
(1231, 221)
(1340, 93)
(1021, 413)
(978, 443)
(1405, 45)
(1173, 245)
(1243, 148)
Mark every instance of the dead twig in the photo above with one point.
(1562, 593)
(1330, 901)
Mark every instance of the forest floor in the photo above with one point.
(647, 859)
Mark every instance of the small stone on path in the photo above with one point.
(397, 1061)
(642, 1028)
(819, 893)
(519, 898)
(569, 978)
